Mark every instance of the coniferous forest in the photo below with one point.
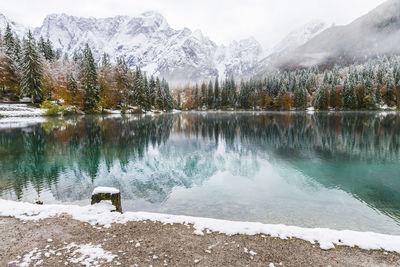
(33, 68)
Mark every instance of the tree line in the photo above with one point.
(361, 86)
(33, 68)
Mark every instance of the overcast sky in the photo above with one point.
(221, 20)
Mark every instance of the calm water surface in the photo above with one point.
(338, 170)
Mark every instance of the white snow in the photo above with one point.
(85, 254)
(105, 190)
(112, 111)
(19, 116)
(100, 214)
(20, 110)
(310, 110)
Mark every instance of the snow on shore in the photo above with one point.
(100, 214)
(20, 110)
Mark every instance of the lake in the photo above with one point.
(336, 170)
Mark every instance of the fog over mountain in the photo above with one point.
(376, 33)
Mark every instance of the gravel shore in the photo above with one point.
(63, 241)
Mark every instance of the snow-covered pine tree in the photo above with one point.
(196, 97)
(216, 94)
(203, 95)
(168, 100)
(321, 101)
(147, 92)
(90, 82)
(300, 97)
(370, 98)
(32, 71)
(210, 96)
(153, 91)
(349, 96)
(389, 95)
(159, 96)
(139, 90)
(72, 87)
(12, 56)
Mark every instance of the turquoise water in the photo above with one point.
(335, 170)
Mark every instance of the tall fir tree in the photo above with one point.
(139, 89)
(322, 101)
(349, 96)
(217, 94)
(32, 71)
(148, 92)
(90, 82)
(153, 91)
(203, 95)
(159, 96)
(12, 63)
(210, 96)
(300, 97)
(72, 87)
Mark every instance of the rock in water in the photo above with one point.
(107, 193)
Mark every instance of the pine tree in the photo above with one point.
(389, 96)
(216, 94)
(153, 91)
(32, 71)
(321, 101)
(178, 101)
(196, 97)
(90, 82)
(370, 97)
(12, 52)
(121, 77)
(139, 90)
(210, 96)
(148, 93)
(72, 87)
(203, 95)
(168, 101)
(159, 96)
(300, 97)
(349, 96)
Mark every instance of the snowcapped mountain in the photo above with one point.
(148, 41)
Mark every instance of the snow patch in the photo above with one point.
(99, 214)
(105, 190)
(86, 254)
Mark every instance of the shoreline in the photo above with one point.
(101, 216)
(64, 241)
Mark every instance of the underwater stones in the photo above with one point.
(107, 193)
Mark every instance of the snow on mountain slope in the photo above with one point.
(149, 42)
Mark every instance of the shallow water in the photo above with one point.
(335, 170)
